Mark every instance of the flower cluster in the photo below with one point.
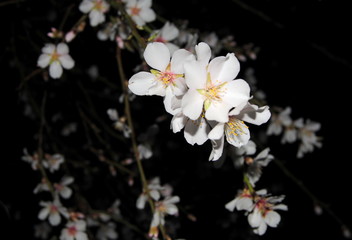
(202, 94)
(295, 130)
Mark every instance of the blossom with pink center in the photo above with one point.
(140, 11)
(165, 35)
(56, 57)
(264, 213)
(243, 201)
(96, 10)
(74, 230)
(166, 77)
(62, 189)
(52, 211)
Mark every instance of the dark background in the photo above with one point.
(304, 62)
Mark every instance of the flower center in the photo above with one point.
(54, 56)
(53, 209)
(99, 6)
(167, 77)
(234, 127)
(135, 11)
(212, 92)
(160, 39)
(72, 231)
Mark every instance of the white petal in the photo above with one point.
(157, 55)
(44, 212)
(236, 92)
(140, 83)
(272, 218)
(231, 205)
(156, 219)
(81, 236)
(44, 60)
(195, 75)
(179, 58)
(62, 49)
(80, 225)
(86, 6)
(169, 31)
(171, 209)
(66, 192)
(66, 180)
(172, 200)
(147, 14)
(55, 69)
(203, 52)
(244, 203)
(218, 111)
(49, 48)
(253, 114)
(217, 132)
(261, 229)
(96, 17)
(217, 149)
(66, 61)
(144, 3)
(192, 104)
(255, 218)
(178, 122)
(196, 131)
(155, 194)
(141, 201)
(172, 47)
(168, 100)
(224, 69)
(137, 19)
(54, 219)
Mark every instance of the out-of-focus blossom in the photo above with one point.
(52, 211)
(308, 138)
(119, 122)
(53, 162)
(96, 10)
(62, 189)
(140, 11)
(107, 231)
(165, 35)
(42, 230)
(153, 191)
(74, 230)
(56, 57)
(278, 120)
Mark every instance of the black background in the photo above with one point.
(304, 62)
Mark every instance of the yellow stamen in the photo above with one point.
(234, 127)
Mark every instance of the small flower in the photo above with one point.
(107, 231)
(290, 133)
(57, 57)
(254, 165)
(119, 122)
(96, 10)
(264, 213)
(33, 160)
(243, 201)
(166, 77)
(237, 133)
(167, 206)
(42, 186)
(153, 191)
(140, 11)
(145, 151)
(74, 230)
(53, 162)
(55, 33)
(62, 189)
(166, 34)
(308, 138)
(278, 120)
(52, 211)
(212, 88)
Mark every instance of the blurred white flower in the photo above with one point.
(278, 120)
(107, 231)
(53, 162)
(56, 57)
(52, 211)
(96, 10)
(62, 189)
(140, 11)
(308, 138)
(153, 191)
(243, 201)
(74, 230)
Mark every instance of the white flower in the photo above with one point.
(308, 138)
(243, 201)
(33, 160)
(53, 162)
(57, 57)
(145, 151)
(254, 165)
(278, 121)
(42, 186)
(107, 231)
(119, 122)
(212, 89)
(290, 133)
(166, 77)
(96, 10)
(166, 34)
(108, 32)
(140, 11)
(52, 211)
(237, 133)
(167, 206)
(264, 213)
(74, 231)
(62, 189)
(153, 191)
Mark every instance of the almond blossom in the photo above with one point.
(237, 133)
(52, 211)
(53, 162)
(255, 165)
(62, 189)
(212, 88)
(163, 208)
(96, 10)
(56, 57)
(153, 191)
(243, 201)
(279, 120)
(140, 11)
(308, 138)
(74, 230)
(264, 213)
(166, 77)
